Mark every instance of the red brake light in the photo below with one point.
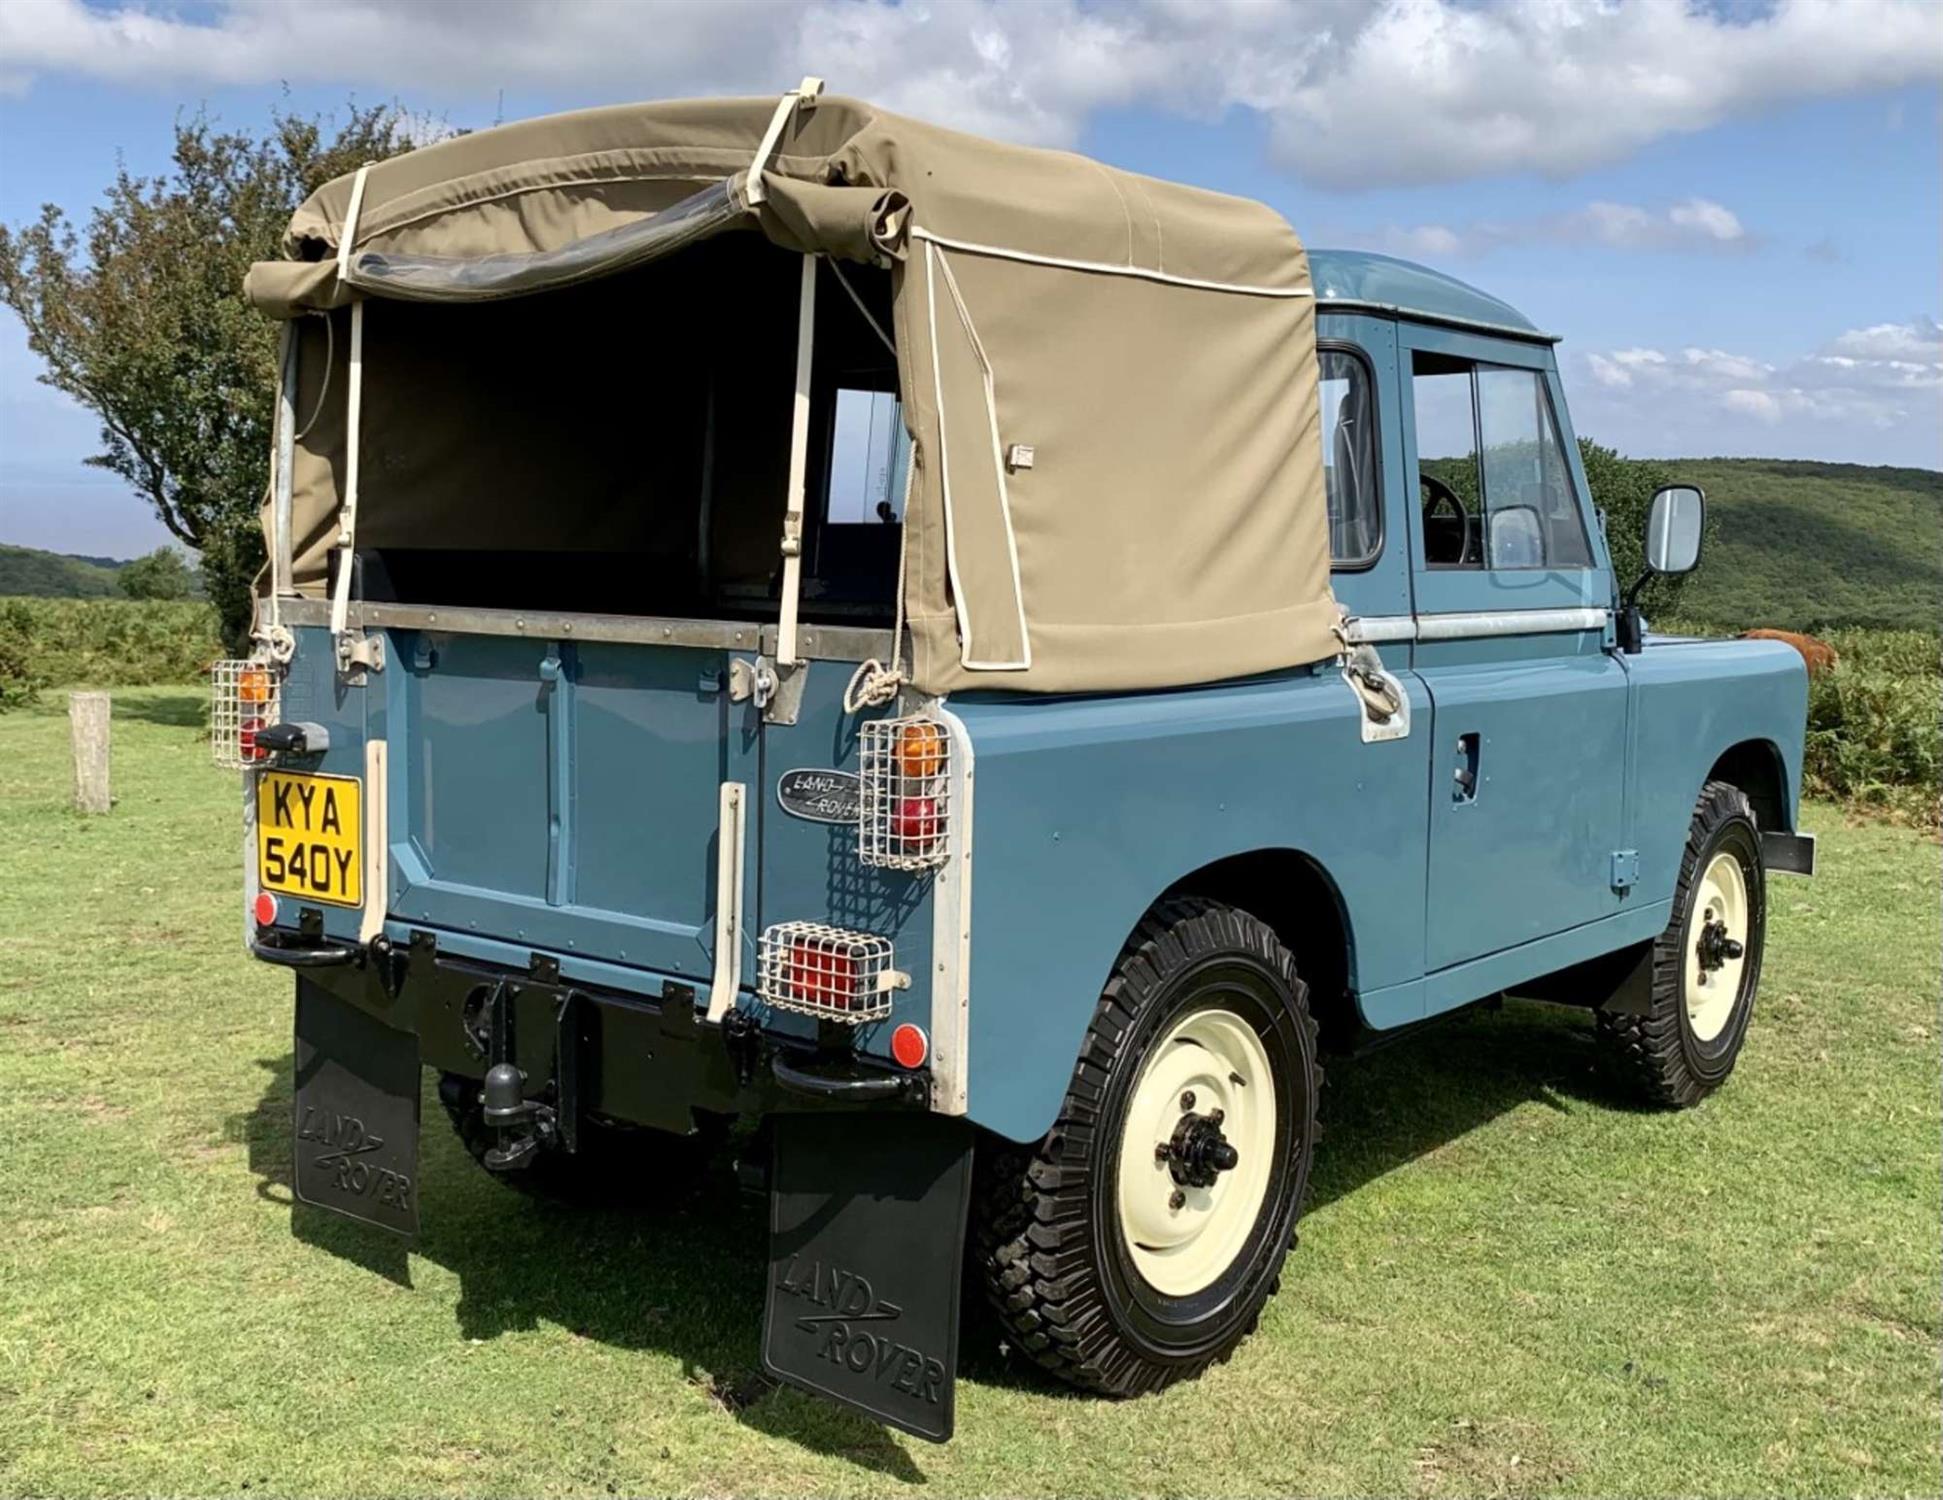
(246, 740)
(264, 909)
(916, 821)
(818, 976)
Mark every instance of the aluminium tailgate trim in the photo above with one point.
(814, 642)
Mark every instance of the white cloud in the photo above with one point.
(1708, 220)
(1866, 392)
(1356, 92)
(1692, 224)
(1920, 341)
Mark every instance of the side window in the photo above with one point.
(1532, 514)
(1447, 468)
(1349, 461)
(870, 454)
(1495, 485)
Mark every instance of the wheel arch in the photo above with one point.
(1757, 768)
(1300, 901)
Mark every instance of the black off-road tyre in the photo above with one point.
(1047, 1237)
(628, 1167)
(1661, 1057)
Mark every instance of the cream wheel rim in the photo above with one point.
(1716, 946)
(1207, 1083)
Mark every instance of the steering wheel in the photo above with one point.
(1437, 496)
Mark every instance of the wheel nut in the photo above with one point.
(1187, 1100)
(1177, 1199)
(1164, 1152)
(1216, 1116)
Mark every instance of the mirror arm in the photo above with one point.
(1630, 625)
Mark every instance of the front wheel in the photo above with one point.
(1137, 1244)
(1706, 964)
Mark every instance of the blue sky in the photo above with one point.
(1730, 211)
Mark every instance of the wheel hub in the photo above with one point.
(1715, 947)
(1198, 1152)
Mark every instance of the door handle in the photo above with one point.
(1464, 775)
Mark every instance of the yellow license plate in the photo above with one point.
(310, 837)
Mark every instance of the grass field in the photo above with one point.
(1509, 1283)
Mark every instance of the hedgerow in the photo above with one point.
(102, 642)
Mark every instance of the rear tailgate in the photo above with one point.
(563, 795)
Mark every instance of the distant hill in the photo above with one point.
(56, 575)
(1814, 546)
(1801, 546)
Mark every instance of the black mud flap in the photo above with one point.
(356, 1112)
(866, 1242)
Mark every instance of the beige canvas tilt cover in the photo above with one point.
(1153, 345)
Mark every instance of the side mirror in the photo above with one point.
(1673, 529)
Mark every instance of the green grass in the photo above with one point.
(1810, 546)
(1509, 1282)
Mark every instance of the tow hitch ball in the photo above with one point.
(525, 1126)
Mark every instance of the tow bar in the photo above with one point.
(527, 1126)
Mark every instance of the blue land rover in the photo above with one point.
(966, 670)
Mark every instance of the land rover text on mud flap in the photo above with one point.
(779, 612)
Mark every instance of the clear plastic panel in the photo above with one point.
(443, 278)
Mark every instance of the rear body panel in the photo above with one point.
(560, 798)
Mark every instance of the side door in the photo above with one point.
(1513, 600)
(1381, 876)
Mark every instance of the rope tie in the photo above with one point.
(1363, 669)
(874, 684)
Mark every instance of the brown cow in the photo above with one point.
(1819, 655)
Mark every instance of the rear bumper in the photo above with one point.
(1788, 853)
(650, 1061)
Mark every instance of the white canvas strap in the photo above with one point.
(803, 96)
(799, 451)
(348, 235)
(347, 514)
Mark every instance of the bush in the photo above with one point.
(20, 677)
(1874, 724)
(105, 642)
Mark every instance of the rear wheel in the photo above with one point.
(617, 1166)
(1706, 964)
(1137, 1244)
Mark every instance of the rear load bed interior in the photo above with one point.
(623, 446)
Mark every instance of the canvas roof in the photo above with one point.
(1152, 344)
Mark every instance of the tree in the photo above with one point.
(1623, 488)
(161, 575)
(142, 320)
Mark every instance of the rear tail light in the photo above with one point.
(827, 971)
(243, 699)
(904, 771)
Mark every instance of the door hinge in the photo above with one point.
(1625, 869)
(358, 653)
